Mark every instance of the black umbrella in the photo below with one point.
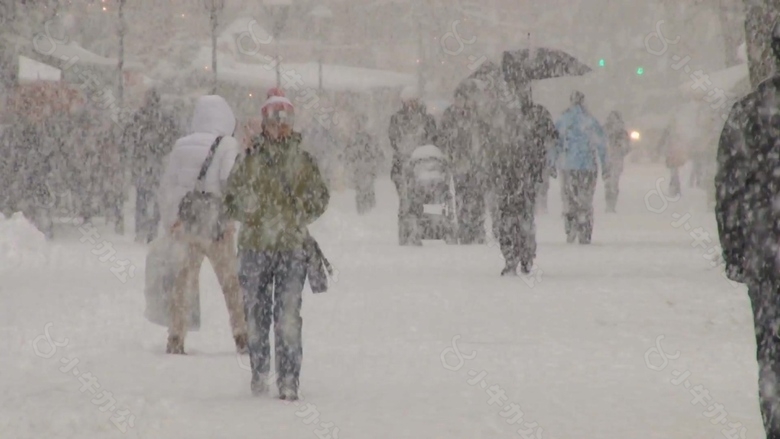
(487, 71)
(524, 65)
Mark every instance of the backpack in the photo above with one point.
(201, 213)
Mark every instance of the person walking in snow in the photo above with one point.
(146, 140)
(211, 133)
(581, 146)
(520, 141)
(275, 192)
(410, 128)
(747, 185)
(618, 148)
(463, 138)
(361, 158)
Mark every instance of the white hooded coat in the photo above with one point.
(212, 117)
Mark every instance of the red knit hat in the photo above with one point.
(278, 109)
(275, 91)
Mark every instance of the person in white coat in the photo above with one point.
(212, 118)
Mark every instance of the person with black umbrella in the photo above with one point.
(747, 185)
(522, 131)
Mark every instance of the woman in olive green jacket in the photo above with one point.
(275, 192)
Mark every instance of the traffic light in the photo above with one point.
(640, 71)
(602, 62)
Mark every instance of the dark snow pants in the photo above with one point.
(675, 187)
(612, 189)
(542, 190)
(410, 210)
(766, 320)
(579, 186)
(365, 197)
(515, 229)
(147, 213)
(470, 202)
(272, 282)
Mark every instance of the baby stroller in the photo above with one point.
(430, 195)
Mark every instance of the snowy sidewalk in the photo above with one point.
(409, 343)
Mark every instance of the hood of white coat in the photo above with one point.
(213, 115)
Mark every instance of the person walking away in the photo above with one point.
(213, 125)
(681, 137)
(362, 157)
(517, 163)
(111, 187)
(748, 219)
(148, 139)
(545, 135)
(581, 145)
(618, 147)
(410, 128)
(461, 137)
(275, 192)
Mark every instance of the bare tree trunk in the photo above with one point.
(760, 16)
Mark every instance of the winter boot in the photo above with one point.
(259, 384)
(241, 344)
(509, 270)
(525, 267)
(412, 232)
(585, 233)
(570, 226)
(288, 391)
(175, 345)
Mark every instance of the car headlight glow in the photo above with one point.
(635, 135)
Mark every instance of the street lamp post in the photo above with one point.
(320, 14)
(279, 11)
(214, 6)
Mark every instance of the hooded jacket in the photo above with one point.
(211, 118)
(581, 139)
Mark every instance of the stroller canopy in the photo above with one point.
(427, 152)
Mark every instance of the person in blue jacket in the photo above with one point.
(581, 144)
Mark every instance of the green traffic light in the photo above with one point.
(640, 71)
(602, 63)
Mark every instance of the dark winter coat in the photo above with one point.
(362, 156)
(520, 152)
(275, 192)
(456, 139)
(410, 128)
(618, 144)
(748, 184)
(147, 139)
(18, 161)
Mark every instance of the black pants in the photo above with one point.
(147, 213)
(578, 189)
(612, 189)
(766, 318)
(515, 228)
(365, 197)
(675, 187)
(470, 202)
(410, 208)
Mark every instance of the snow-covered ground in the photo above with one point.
(571, 347)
